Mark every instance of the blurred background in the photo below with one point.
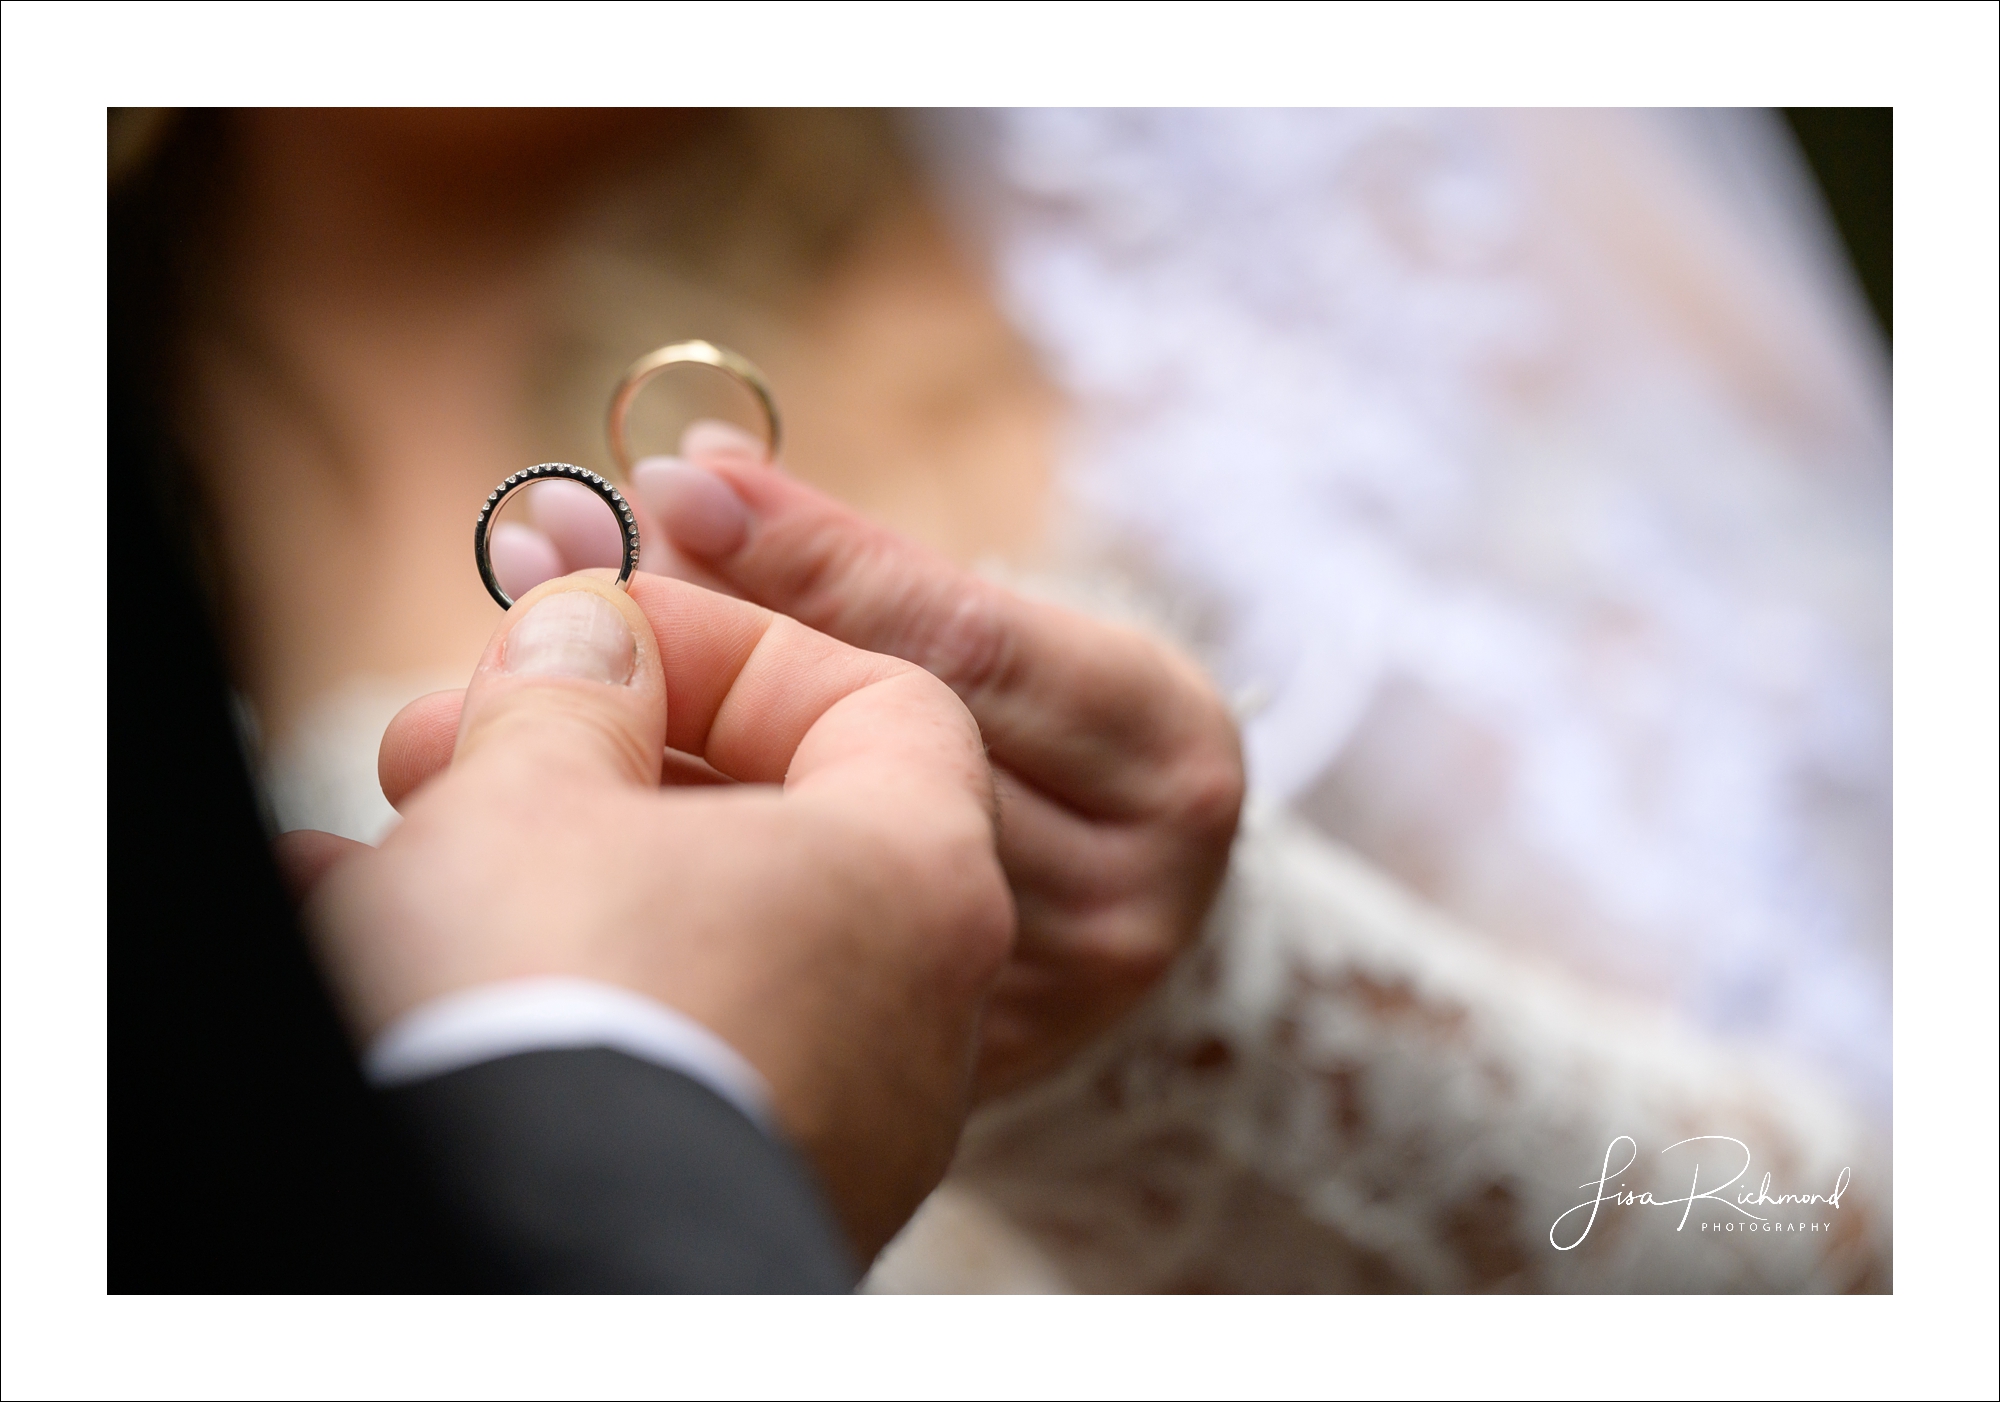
(1522, 476)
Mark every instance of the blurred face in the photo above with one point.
(496, 170)
(470, 145)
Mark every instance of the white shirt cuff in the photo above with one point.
(540, 1014)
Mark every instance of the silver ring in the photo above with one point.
(620, 508)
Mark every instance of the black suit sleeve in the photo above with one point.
(590, 1170)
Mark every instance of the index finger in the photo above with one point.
(746, 687)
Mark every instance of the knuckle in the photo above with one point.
(986, 928)
(1208, 784)
(803, 564)
(1134, 966)
(944, 703)
(810, 561)
(868, 587)
(963, 638)
(953, 868)
(1121, 952)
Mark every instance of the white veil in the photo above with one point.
(1527, 476)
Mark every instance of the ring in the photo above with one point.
(686, 353)
(620, 508)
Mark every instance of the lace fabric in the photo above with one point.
(1342, 1090)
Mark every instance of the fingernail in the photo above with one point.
(697, 509)
(522, 557)
(717, 438)
(576, 521)
(573, 634)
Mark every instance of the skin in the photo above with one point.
(1118, 770)
(358, 365)
(354, 388)
(836, 912)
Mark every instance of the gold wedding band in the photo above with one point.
(685, 353)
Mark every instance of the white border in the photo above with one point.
(64, 64)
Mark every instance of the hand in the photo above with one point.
(1117, 765)
(837, 914)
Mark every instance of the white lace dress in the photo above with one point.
(1526, 478)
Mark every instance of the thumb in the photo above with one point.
(570, 684)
